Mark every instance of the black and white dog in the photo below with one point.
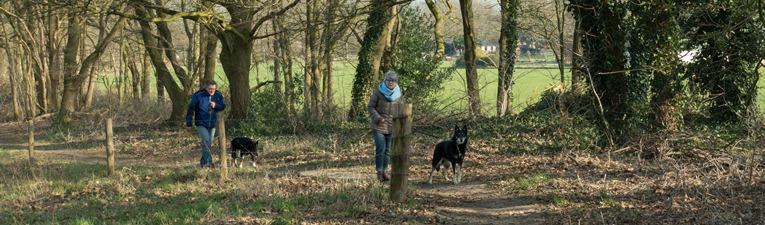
(241, 147)
(451, 152)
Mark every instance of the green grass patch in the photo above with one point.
(53, 190)
(524, 183)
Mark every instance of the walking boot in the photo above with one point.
(385, 176)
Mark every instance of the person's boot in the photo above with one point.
(379, 176)
(385, 176)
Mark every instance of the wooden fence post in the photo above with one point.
(31, 139)
(222, 144)
(402, 130)
(109, 147)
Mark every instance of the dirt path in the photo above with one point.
(466, 203)
(472, 202)
(475, 203)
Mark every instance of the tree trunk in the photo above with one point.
(166, 41)
(471, 75)
(91, 86)
(235, 58)
(386, 61)
(72, 50)
(665, 79)
(136, 75)
(29, 81)
(604, 47)
(41, 84)
(437, 31)
(315, 72)
(382, 45)
(54, 68)
(366, 70)
(308, 82)
(14, 73)
(211, 43)
(164, 78)
(73, 82)
(277, 63)
(194, 58)
(146, 76)
(286, 62)
(576, 60)
(508, 42)
(88, 95)
(561, 19)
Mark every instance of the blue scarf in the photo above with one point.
(391, 95)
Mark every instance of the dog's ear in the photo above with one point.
(464, 127)
(456, 128)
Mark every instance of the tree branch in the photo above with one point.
(270, 16)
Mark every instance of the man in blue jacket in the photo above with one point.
(204, 106)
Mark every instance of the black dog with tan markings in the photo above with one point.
(451, 152)
(241, 147)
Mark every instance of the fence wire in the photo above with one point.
(346, 130)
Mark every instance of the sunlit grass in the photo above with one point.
(531, 80)
(54, 190)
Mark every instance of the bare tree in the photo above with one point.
(370, 55)
(508, 42)
(471, 75)
(74, 76)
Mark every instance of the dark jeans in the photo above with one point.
(382, 151)
(207, 137)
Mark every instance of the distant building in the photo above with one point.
(490, 49)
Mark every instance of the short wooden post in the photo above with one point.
(222, 143)
(109, 147)
(31, 139)
(399, 151)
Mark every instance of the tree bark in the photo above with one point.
(604, 47)
(54, 68)
(383, 44)
(310, 90)
(91, 86)
(164, 78)
(508, 42)
(437, 30)
(277, 62)
(366, 70)
(166, 40)
(235, 58)
(14, 73)
(576, 60)
(665, 79)
(286, 63)
(471, 75)
(73, 82)
(146, 76)
(135, 74)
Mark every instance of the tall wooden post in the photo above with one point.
(402, 130)
(31, 139)
(109, 147)
(222, 143)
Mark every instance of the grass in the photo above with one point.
(529, 83)
(522, 183)
(56, 191)
(531, 80)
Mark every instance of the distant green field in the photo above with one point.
(529, 84)
(526, 89)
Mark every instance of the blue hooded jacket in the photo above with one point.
(200, 109)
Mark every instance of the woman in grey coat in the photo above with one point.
(380, 109)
